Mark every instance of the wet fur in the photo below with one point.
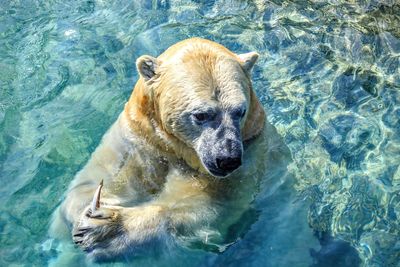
(155, 185)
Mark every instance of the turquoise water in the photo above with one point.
(328, 77)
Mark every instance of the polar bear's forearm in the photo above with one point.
(186, 201)
(149, 221)
(182, 205)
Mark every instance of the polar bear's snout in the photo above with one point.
(220, 147)
(229, 161)
(223, 157)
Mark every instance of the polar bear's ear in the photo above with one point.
(248, 60)
(147, 66)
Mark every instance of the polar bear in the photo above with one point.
(171, 164)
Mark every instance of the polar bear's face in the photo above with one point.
(206, 110)
(203, 100)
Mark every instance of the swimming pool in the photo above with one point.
(328, 77)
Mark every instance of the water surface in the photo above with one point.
(328, 77)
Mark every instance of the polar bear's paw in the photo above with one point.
(98, 229)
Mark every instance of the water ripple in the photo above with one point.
(328, 77)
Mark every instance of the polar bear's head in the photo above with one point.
(200, 93)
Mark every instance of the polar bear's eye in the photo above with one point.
(243, 113)
(201, 117)
(239, 114)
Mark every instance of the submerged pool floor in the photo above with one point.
(328, 77)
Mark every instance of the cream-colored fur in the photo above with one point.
(156, 187)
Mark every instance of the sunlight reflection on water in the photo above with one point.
(328, 77)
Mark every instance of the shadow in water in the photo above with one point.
(334, 253)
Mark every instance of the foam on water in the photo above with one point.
(328, 77)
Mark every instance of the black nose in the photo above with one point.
(228, 163)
